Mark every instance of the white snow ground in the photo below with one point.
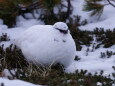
(6, 82)
(93, 63)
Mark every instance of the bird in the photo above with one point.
(46, 45)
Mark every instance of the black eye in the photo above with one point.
(64, 31)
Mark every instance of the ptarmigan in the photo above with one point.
(47, 44)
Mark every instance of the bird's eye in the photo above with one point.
(64, 31)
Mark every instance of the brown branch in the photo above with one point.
(113, 0)
(35, 5)
(111, 3)
(68, 9)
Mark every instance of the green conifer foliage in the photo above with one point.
(50, 4)
(97, 6)
(94, 6)
(9, 10)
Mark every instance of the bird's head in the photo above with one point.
(61, 26)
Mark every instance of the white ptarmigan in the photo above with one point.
(47, 44)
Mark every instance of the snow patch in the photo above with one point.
(6, 82)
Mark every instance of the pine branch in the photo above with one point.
(68, 8)
(111, 3)
(32, 6)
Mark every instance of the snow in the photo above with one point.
(93, 62)
(106, 24)
(99, 84)
(78, 9)
(6, 82)
(1, 21)
(6, 73)
(46, 45)
(3, 27)
(26, 23)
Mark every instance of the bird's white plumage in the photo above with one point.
(45, 45)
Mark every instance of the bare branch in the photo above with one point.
(111, 3)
